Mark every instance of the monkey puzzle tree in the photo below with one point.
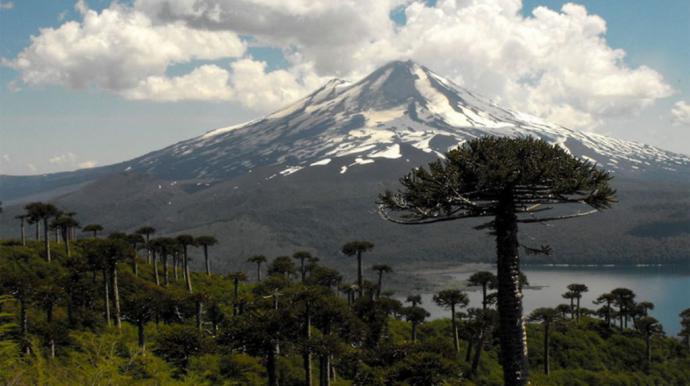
(282, 265)
(416, 316)
(649, 327)
(22, 220)
(512, 180)
(452, 299)
(65, 224)
(577, 290)
(625, 301)
(205, 242)
(380, 269)
(685, 326)
(134, 240)
(40, 211)
(485, 280)
(185, 241)
(258, 260)
(146, 232)
(356, 248)
(236, 278)
(302, 257)
(93, 229)
(545, 316)
(605, 311)
(570, 295)
(414, 300)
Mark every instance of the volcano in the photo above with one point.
(308, 175)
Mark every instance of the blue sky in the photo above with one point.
(69, 113)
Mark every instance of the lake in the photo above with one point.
(667, 286)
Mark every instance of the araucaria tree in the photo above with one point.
(452, 299)
(185, 241)
(485, 280)
(356, 248)
(511, 181)
(205, 242)
(258, 260)
(93, 229)
(41, 211)
(546, 316)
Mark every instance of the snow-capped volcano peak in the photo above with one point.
(400, 107)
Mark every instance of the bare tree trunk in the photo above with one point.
(258, 271)
(307, 351)
(468, 353)
(135, 267)
(166, 279)
(46, 241)
(23, 234)
(512, 334)
(454, 322)
(208, 264)
(140, 333)
(155, 268)
(187, 276)
(379, 285)
(116, 298)
(175, 261)
(478, 352)
(546, 348)
(106, 281)
(37, 227)
(67, 250)
(359, 274)
(414, 332)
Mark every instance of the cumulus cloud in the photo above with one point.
(553, 63)
(116, 50)
(63, 159)
(87, 164)
(680, 113)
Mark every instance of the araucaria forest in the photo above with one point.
(81, 307)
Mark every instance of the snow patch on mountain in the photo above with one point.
(401, 103)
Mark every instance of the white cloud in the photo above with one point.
(116, 50)
(87, 164)
(680, 113)
(207, 82)
(556, 64)
(63, 159)
(6, 5)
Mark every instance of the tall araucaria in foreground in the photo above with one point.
(510, 181)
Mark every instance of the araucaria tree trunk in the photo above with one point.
(140, 331)
(512, 327)
(456, 338)
(208, 264)
(546, 348)
(46, 238)
(106, 287)
(187, 277)
(155, 267)
(359, 274)
(23, 232)
(116, 298)
(307, 352)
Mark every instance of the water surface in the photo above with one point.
(667, 286)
